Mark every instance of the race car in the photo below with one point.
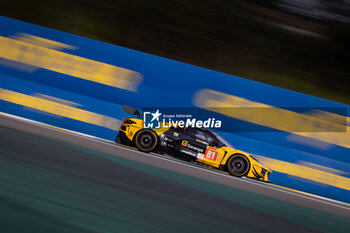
(194, 144)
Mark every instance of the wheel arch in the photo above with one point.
(229, 152)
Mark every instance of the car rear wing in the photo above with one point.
(132, 111)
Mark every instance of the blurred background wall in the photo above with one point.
(299, 45)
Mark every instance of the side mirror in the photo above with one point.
(132, 111)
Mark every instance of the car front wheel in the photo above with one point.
(238, 165)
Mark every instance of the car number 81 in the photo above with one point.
(211, 154)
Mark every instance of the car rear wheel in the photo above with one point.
(238, 165)
(146, 140)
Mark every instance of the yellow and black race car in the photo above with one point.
(196, 144)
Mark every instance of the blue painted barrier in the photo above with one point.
(80, 84)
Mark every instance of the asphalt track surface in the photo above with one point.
(57, 181)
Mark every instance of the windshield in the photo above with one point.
(221, 140)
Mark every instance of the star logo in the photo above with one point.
(156, 115)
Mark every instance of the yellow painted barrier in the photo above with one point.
(59, 108)
(277, 118)
(42, 53)
(308, 172)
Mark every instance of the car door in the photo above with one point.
(212, 154)
(195, 142)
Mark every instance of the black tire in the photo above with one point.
(122, 139)
(238, 165)
(146, 140)
(118, 140)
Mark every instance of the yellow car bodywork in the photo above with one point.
(257, 170)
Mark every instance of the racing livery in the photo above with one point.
(194, 144)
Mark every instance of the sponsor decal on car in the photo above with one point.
(167, 139)
(201, 141)
(200, 156)
(196, 148)
(185, 143)
(188, 152)
(211, 153)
